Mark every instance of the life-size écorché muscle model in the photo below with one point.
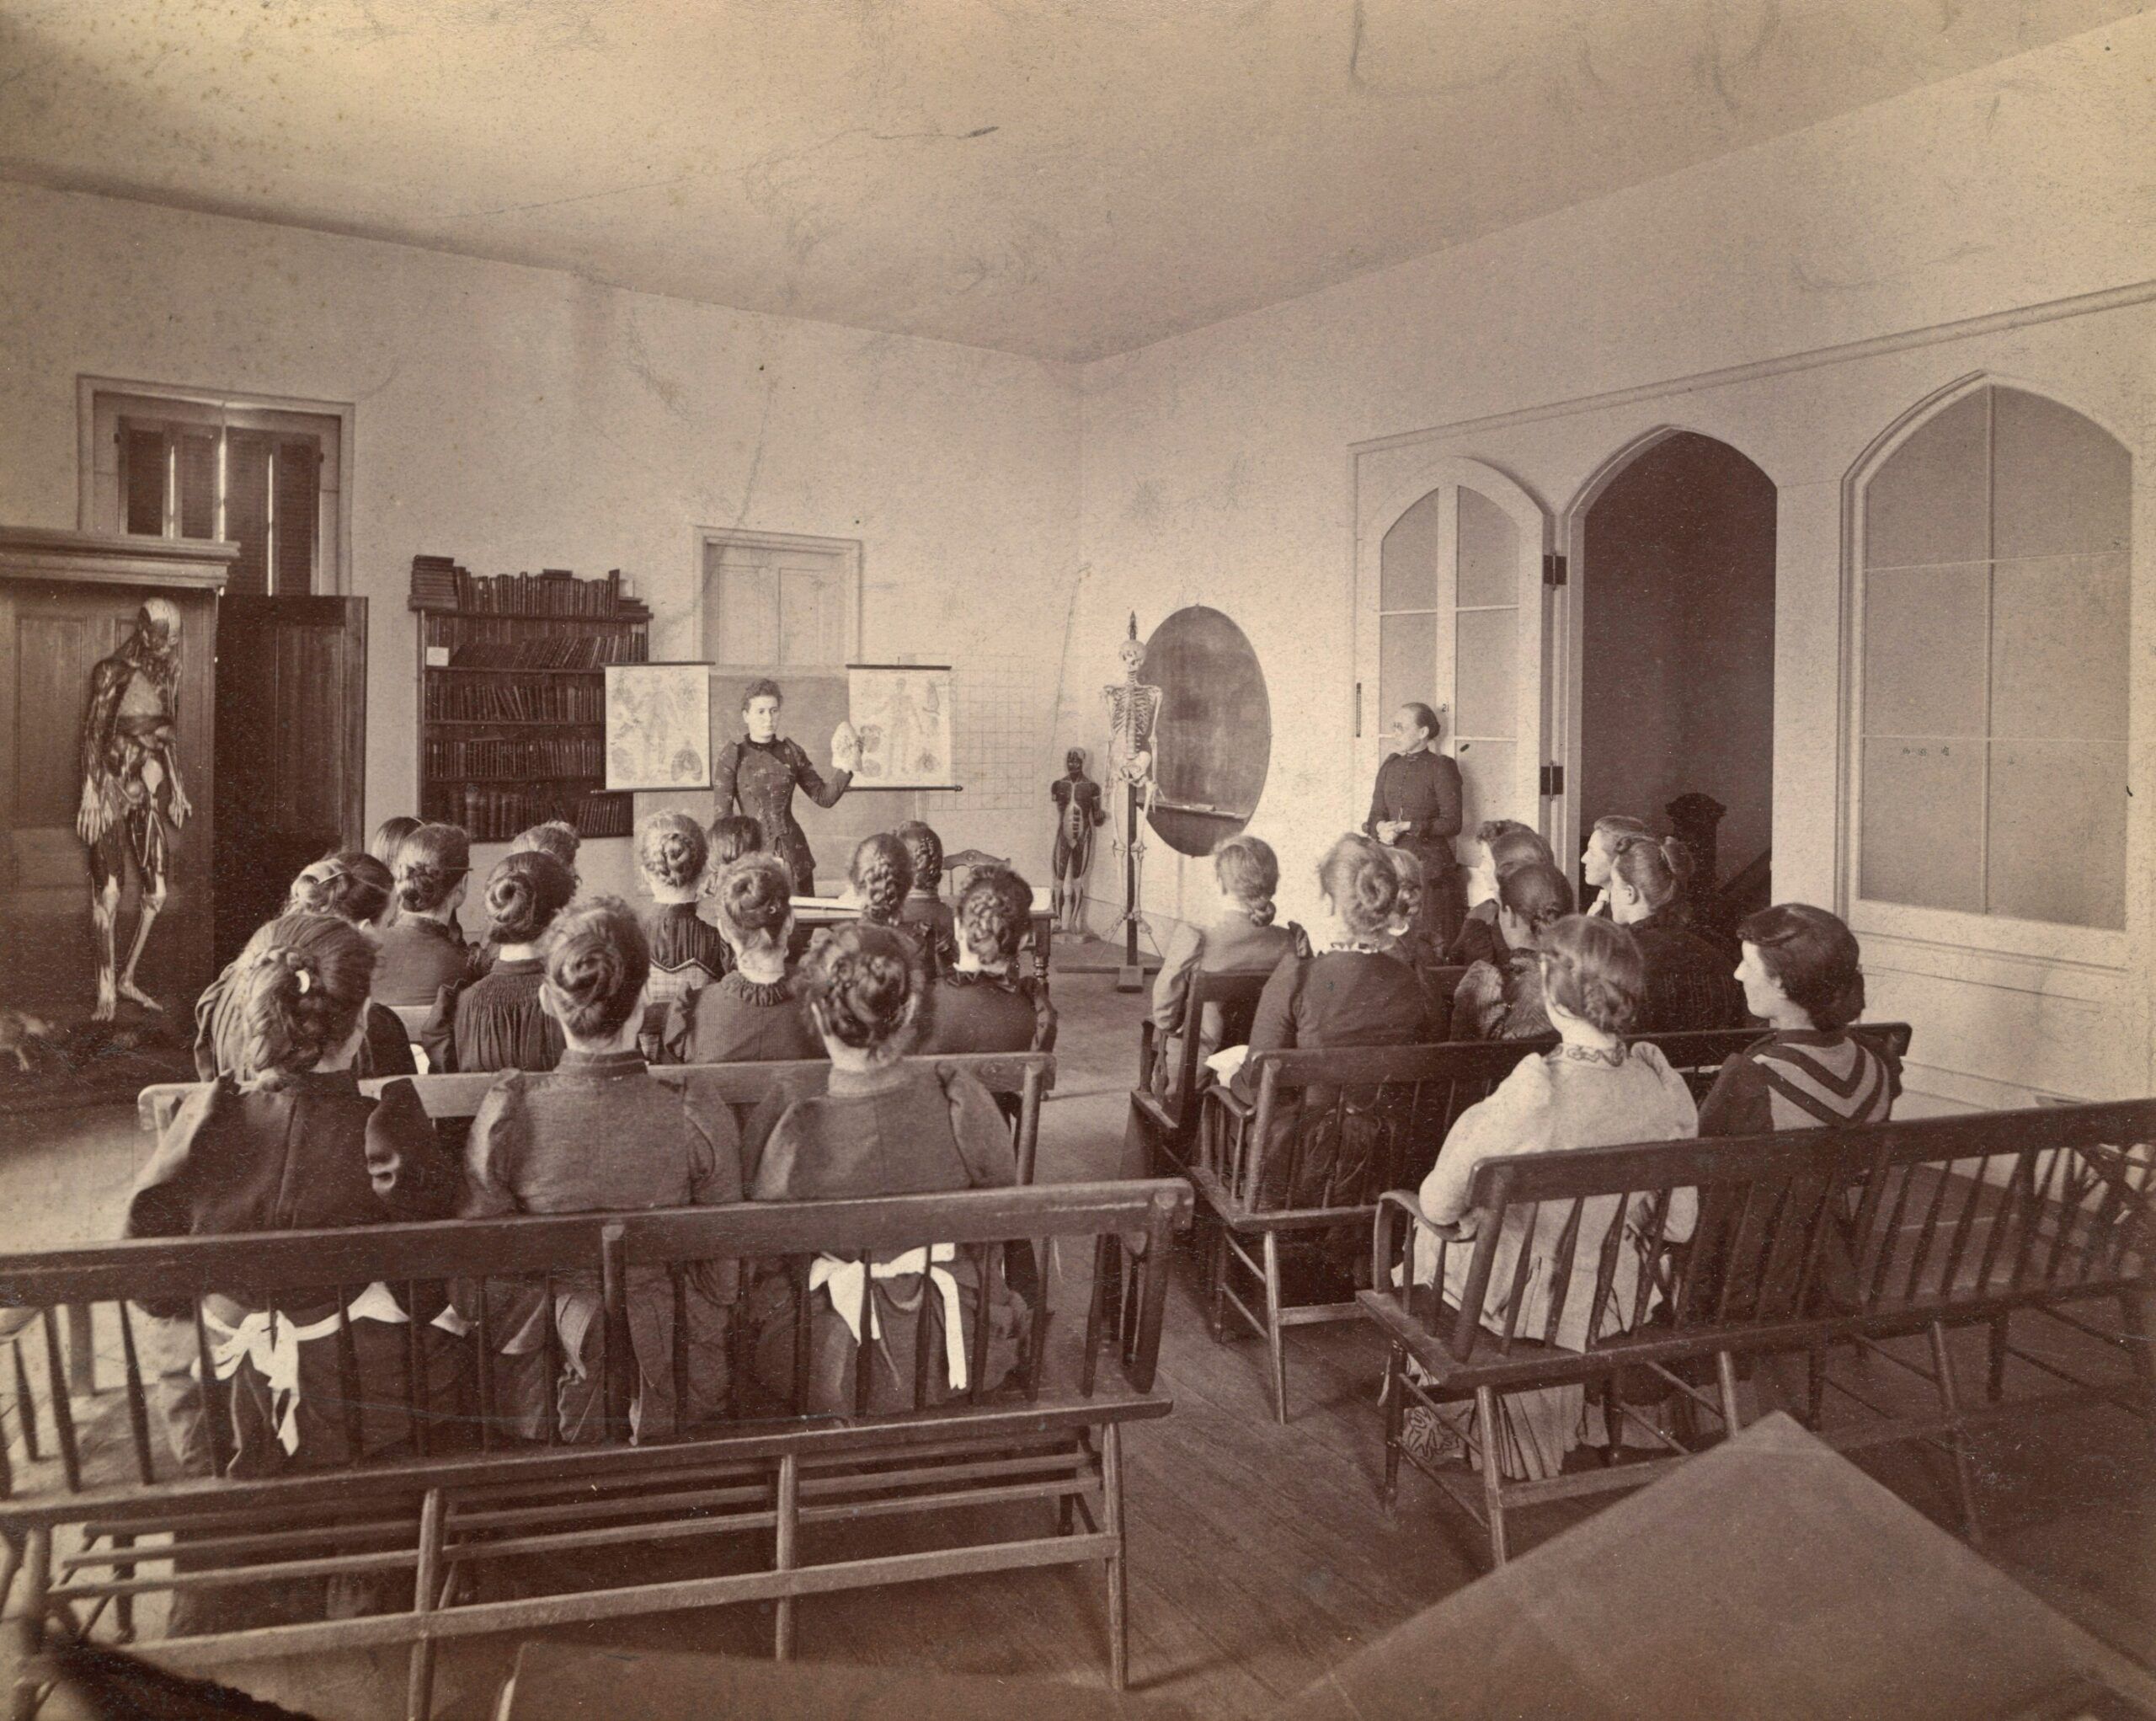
(132, 791)
(1079, 812)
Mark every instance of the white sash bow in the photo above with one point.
(271, 1342)
(843, 1281)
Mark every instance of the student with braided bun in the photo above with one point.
(1689, 986)
(296, 1145)
(878, 1124)
(879, 875)
(1347, 991)
(598, 1133)
(750, 1014)
(687, 951)
(990, 1002)
(497, 1022)
(423, 950)
(925, 913)
(553, 837)
(1594, 1090)
(1506, 843)
(357, 889)
(1503, 1001)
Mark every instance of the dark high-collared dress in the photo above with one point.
(759, 778)
(1422, 790)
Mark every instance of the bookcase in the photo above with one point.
(513, 697)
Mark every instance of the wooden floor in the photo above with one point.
(1259, 1554)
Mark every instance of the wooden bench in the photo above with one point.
(1028, 1077)
(1406, 1097)
(89, 1522)
(1803, 1238)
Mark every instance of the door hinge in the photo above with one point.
(1553, 780)
(1553, 568)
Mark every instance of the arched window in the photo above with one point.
(1992, 723)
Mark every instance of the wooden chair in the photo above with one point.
(1167, 1123)
(1411, 1095)
(1802, 1238)
(1393, 1104)
(101, 1516)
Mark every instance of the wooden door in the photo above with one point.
(291, 748)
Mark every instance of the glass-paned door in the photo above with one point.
(1458, 623)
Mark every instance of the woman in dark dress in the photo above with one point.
(687, 951)
(1502, 1000)
(358, 889)
(750, 1015)
(423, 949)
(1506, 843)
(1349, 992)
(760, 773)
(1689, 986)
(497, 1022)
(990, 1002)
(1416, 806)
(925, 913)
(879, 1124)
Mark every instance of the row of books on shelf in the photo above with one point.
(451, 699)
(495, 812)
(578, 651)
(442, 583)
(527, 756)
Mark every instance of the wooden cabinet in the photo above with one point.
(67, 601)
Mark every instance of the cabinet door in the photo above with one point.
(291, 748)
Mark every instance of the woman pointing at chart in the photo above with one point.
(758, 774)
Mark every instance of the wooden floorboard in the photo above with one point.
(1259, 1554)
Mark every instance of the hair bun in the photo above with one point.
(1262, 912)
(755, 894)
(867, 983)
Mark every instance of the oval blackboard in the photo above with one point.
(1215, 737)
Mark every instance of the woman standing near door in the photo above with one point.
(1417, 807)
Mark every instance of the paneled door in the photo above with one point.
(291, 748)
(1452, 613)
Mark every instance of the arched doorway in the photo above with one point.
(1673, 608)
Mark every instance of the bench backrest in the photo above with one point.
(1234, 995)
(1026, 1077)
(1404, 1099)
(601, 1251)
(1872, 1224)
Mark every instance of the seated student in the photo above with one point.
(423, 950)
(750, 1015)
(1506, 843)
(878, 1124)
(554, 837)
(355, 888)
(1593, 1091)
(878, 876)
(1495, 1001)
(1350, 992)
(1601, 846)
(1688, 983)
(1803, 976)
(730, 839)
(686, 952)
(1406, 937)
(925, 913)
(1239, 938)
(295, 1146)
(389, 837)
(497, 1022)
(599, 1133)
(990, 1002)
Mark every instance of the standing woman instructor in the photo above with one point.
(1417, 807)
(758, 773)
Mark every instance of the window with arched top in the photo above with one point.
(1992, 551)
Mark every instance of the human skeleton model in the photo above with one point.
(1134, 709)
(130, 789)
(1078, 814)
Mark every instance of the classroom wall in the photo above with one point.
(1233, 466)
(519, 418)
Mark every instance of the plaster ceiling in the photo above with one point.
(1067, 178)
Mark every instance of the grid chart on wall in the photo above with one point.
(1001, 736)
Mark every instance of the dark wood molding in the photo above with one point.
(113, 558)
